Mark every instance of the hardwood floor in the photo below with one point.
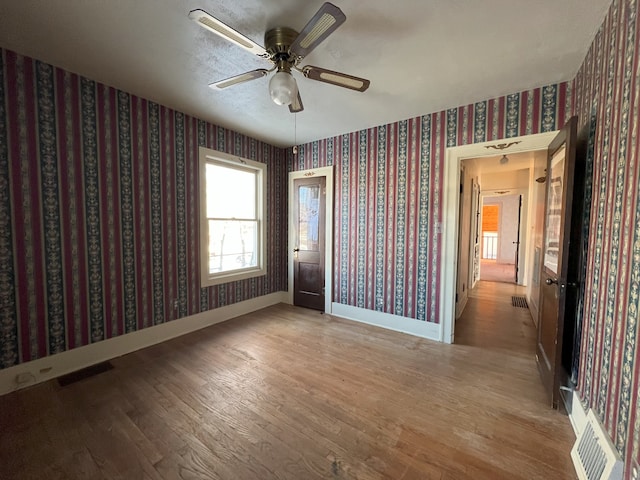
(292, 394)
(489, 321)
(492, 271)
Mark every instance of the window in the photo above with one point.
(232, 217)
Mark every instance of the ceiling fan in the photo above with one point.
(285, 48)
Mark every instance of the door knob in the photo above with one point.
(551, 281)
(296, 250)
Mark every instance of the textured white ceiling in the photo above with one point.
(421, 56)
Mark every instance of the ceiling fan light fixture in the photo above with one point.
(283, 88)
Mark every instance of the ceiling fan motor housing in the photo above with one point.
(277, 43)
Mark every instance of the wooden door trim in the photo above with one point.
(326, 172)
(555, 377)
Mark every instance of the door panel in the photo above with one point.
(553, 275)
(309, 277)
(517, 242)
(309, 234)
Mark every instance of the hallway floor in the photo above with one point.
(492, 271)
(490, 321)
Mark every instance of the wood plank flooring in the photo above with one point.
(492, 271)
(289, 393)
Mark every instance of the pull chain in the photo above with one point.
(295, 133)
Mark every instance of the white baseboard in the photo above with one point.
(53, 366)
(578, 415)
(388, 321)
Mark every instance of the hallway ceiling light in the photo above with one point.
(504, 160)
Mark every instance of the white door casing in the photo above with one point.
(450, 200)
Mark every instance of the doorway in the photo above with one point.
(500, 238)
(495, 221)
(298, 177)
(450, 226)
(309, 204)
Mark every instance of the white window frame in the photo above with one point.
(209, 156)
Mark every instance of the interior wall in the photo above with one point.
(465, 263)
(509, 205)
(536, 227)
(510, 180)
(97, 193)
(475, 252)
(388, 197)
(607, 93)
(99, 212)
(515, 182)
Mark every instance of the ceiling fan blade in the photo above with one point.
(296, 106)
(244, 77)
(336, 78)
(214, 25)
(323, 23)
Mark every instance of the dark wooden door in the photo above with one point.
(556, 245)
(517, 242)
(309, 244)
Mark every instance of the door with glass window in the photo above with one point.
(554, 272)
(309, 244)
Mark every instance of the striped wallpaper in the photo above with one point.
(607, 92)
(388, 200)
(99, 212)
(388, 195)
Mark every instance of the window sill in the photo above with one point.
(233, 276)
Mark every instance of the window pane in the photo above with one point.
(231, 193)
(554, 211)
(308, 205)
(232, 245)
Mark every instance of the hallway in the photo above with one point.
(492, 271)
(489, 321)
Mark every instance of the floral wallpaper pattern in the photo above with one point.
(389, 195)
(607, 93)
(99, 212)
